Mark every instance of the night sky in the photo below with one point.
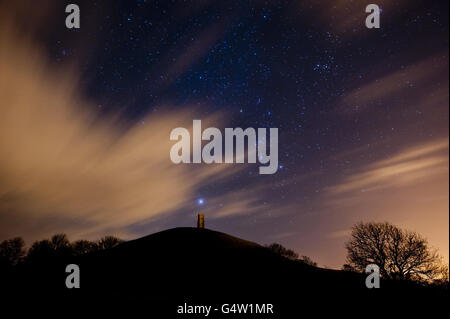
(362, 116)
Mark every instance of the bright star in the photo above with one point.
(200, 201)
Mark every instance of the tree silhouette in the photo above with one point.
(12, 252)
(442, 279)
(40, 250)
(347, 267)
(81, 247)
(290, 254)
(57, 246)
(308, 261)
(108, 242)
(283, 251)
(61, 245)
(400, 254)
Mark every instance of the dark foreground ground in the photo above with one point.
(154, 275)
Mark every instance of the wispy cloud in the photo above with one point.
(403, 169)
(409, 81)
(409, 188)
(339, 234)
(66, 168)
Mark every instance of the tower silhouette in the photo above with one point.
(201, 221)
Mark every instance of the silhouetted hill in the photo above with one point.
(201, 266)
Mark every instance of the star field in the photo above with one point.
(343, 97)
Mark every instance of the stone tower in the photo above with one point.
(201, 221)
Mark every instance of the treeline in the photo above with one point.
(13, 251)
(290, 254)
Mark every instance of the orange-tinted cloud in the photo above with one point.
(64, 168)
(401, 170)
(409, 189)
(383, 88)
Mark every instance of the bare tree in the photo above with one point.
(442, 279)
(81, 247)
(109, 242)
(308, 261)
(399, 253)
(12, 251)
(57, 246)
(290, 254)
(283, 251)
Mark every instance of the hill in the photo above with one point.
(199, 266)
